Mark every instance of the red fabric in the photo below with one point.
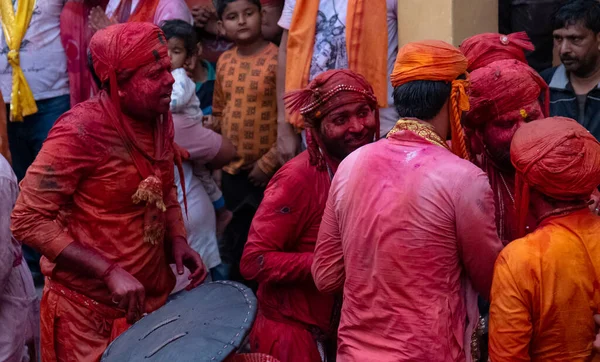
(328, 91)
(557, 157)
(144, 12)
(483, 49)
(75, 35)
(279, 254)
(506, 89)
(71, 331)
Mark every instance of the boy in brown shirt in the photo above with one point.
(245, 111)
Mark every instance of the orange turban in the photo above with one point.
(435, 60)
(483, 49)
(557, 157)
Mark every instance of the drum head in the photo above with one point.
(205, 324)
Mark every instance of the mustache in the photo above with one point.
(566, 57)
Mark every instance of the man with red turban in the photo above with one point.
(545, 288)
(483, 49)
(408, 232)
(295, 321)
(504, 95)
(100, 203)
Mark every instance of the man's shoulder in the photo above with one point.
(298, 170)
(548, 74)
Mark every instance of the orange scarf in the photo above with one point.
(366, 44)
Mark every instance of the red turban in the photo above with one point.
(484, 49)
(435, 60)
(329, 91)
(506, 88)
(557, 157)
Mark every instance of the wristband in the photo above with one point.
(108, 270)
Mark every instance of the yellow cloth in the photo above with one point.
(421, 129)
(545, 293)
(14, 27)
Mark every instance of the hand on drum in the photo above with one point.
(184, 255)
(127, 292)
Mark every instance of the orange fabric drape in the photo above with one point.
(366, 44)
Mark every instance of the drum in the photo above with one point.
(205, 324)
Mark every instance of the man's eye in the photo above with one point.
(363, 113)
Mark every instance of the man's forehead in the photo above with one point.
(573, 28)
(347, 108)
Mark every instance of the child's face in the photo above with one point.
(177, 52)
(242, 21)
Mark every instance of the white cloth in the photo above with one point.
(183, 99)
(166, 10)
(19, 307)
(330, 46)
(43, 58)
(185, 103)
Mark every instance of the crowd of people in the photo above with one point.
(416, 203)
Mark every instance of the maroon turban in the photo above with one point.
(506, 88)
(484, 49)
(271, 2)
(557, 157)
(328, 91)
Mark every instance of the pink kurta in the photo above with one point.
(407, 229)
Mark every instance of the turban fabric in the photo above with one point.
(504, 89)
(118, 51)
(557, 157)
(327, 92)
(434, 60)
(483, 49)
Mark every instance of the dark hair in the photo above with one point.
(422, 99)
(181, 30)
(221, 5)
(585, 11)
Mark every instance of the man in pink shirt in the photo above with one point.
(411, 256)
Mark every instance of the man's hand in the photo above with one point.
(127, 292)
(99, 20)
(186, 256)
(257, 177)
(288, 142)
(201, 15)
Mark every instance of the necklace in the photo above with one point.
(561, 211)
(507, 189)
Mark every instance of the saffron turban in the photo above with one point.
(487, 48)
(434, 60)
(505, 89)
(557, 157)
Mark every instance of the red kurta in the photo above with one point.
(79, 189)
(279, 255)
